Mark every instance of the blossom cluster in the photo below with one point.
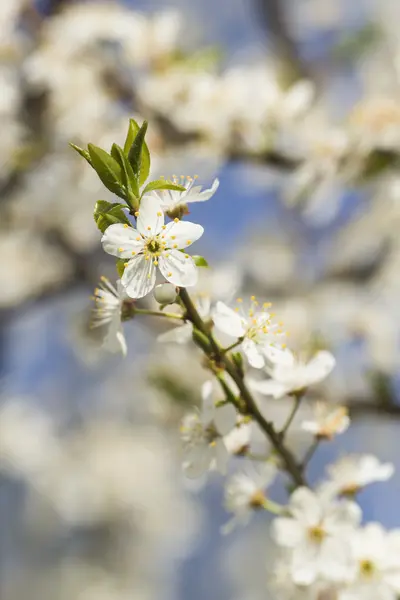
(323, 547)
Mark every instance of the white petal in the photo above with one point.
(139, 277)
(195, 195)
(268, 387)
(121, 241)
(151, 216)
(320, 366)
(227, 320)
(345, 514)
(178, 268)
(278, 356)
(207, 406)
(225, 418)
(114, 341)
(198, 460)
(306, 506)
(286, 532)
(299, 98)
(182, 234)
(335, 562)
(304, 566)
(180, 335)
(221, 456)
(253, 354)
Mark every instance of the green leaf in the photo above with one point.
(120, 264)
(84, 153)
(136, 152)
(107, 213)
(145, 157)
(128, 176)
(107, 169)
(200, 261)
(162, 184)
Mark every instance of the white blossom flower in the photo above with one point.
(173, 200)
(245, 492)
(353, 472)
(182, 334)
(375, 565)
(202, 435)
(259, 334)
(328, 421)
(153, 244)
(317, 531)
(109, 301)
(294, 375)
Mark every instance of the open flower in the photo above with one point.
(294, 375)
(255, 327)
(202, 435)
(150, 245)
(375, 562)
(173, 201)
(317, 531)
(353, 472)
(109, 301)
(245, 492)
(328, 421)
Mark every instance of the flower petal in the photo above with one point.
(178, 268)
(320, 366)
(221, 456)
(306, 506)
(151, 217)
(253, 354)
(197, 460)
(268, 387)
(227, 320)
(196, 195)
(286, 532)
(139, 277)
(122, 241)
(182, 234)
(225, 418)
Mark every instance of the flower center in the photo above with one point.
(211, 434)
(316, 534)
(257, 500)
(367, 568)
(153, 246)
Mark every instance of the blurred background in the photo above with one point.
(294, 105)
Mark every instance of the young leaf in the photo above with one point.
(107, 169)
(120, 264)
(106, 213)
(200, 261)
(135, 152)
(162, 184)
(128, 176)
(84, 153)
(145, 157)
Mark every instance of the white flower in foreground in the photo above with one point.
(202, 435)
(173, 200)
(294, 375)
(109, 301)
(353, 472)
(245, 492)
(150, 245)
(182, 334)
(375, 565)
(317, 531)
(260, 335)
(328, 421)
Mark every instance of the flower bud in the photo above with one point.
(165, 293)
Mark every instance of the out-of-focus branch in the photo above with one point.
(272, 16)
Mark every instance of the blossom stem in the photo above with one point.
(232, 346)
(156, 313)
(289, 461)
(296, 404)
(310, 453)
